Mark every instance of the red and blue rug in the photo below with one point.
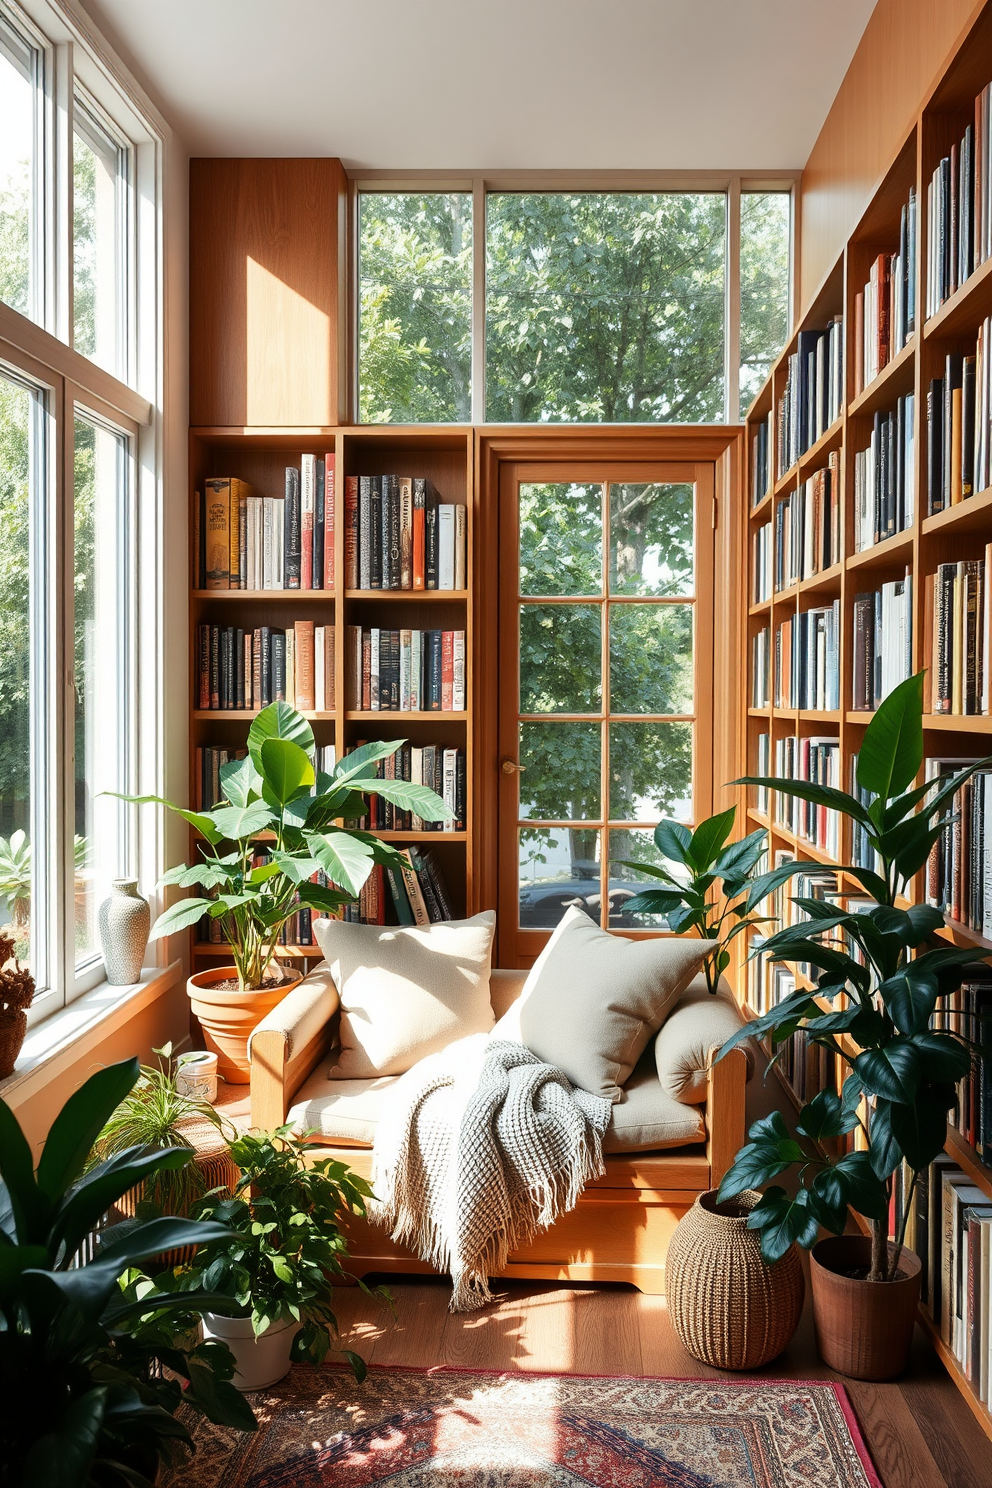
(445, 1428)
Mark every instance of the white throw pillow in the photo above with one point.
(406, 991)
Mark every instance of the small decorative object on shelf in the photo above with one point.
(16, 994)
(196, 1076)
(124, 921)
(729, 1308)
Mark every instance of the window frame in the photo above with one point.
(733, 184)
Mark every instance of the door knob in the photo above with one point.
(510, 767)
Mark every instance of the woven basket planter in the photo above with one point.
(213, 1157)
(727, 1306)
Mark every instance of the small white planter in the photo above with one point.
(260, 1361)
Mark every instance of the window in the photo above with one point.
(567, 306)
(99, 238)
(21, 102)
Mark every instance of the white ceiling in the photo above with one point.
(490, 84)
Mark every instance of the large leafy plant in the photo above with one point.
(711, 887)
(879, 977)
(275, 790)
(85, 1401)
(286, 1247)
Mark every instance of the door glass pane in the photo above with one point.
(625, 882)
(558, 868)
(99, 169)
(765, 233)
(650, 771)
(562, 767)
(561, 539)
(100, 681)
(560, 658)
(650, 658)
(651, 539)
(415, 307)
(18, 69)
(605, 307)
(19, 874)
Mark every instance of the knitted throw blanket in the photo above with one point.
(482, 1147)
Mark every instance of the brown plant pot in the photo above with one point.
(13, 1027)
(229, 1017)
(728, 1306)
(864, 1329)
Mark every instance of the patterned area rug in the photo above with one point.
(446, 1428)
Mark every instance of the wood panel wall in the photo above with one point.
(904, 45)
(266, 288)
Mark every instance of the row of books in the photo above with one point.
(959, 869)
(399, 534)
(415, 894)
(761, 668)
(249, 669)
(885, 310)
(807, 526)
(883, 641)
(885, 477)
(814, 759)
(959, 208)
(968, 1011)
(761, 563)
(807, 1068)
(807, 659)
(814, 392)
(957, 611)
(242, 540)
(761, 464)
(405, 671)
(959, 426)
(210, 758)
(440, 768)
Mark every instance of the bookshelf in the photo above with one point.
(260, 457)
(958, 532)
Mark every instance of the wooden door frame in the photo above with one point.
(717, 444)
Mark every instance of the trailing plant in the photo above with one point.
(275, 789)
(711, 887)
(85, 1403)
(880, 975)
(287, 1245)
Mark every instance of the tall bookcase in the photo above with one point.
(260, 457)
(958, 532)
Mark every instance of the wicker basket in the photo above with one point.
(218, 1168)
(728, 1307)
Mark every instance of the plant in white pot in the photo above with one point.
(279, 1267)
(276, 794)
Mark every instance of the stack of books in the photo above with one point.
(968, 1011)
(817, 760)
(885, 310)
(807, 526)
(440, 768)
(959, 869)
(761, 564)
(404, 671)
(959, 209)
(250, 669)
(242, 540)
(814, 392)
(885, 478)
(399, 534)
(807, 659)
(959, 411)
(761, 465)
(415, 894)
(882, 641)
(958, 613)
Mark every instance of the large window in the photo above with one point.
(568, 306)
(21, 113)
(100, 238)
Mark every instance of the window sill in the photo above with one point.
(69, 1034)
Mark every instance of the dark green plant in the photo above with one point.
(713, 891)
(84, 1401)
(275, 789)
(287, 1246)
(889, 975)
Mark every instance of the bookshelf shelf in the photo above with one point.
(441, 715)
(416, 596)
(894, 549)
(972, 515)
(243, 596)
(968, 723)
(964, 1155)
(895, 378)
(787, 481)
(763, 507)
(827, 578)
(829, 440)
(965, 308)
(761, 607)
(204, 714)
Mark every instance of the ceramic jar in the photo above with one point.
(124, 922)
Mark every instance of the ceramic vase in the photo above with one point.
(124, 921)
(259, 1362)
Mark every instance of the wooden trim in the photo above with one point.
(725, 1118)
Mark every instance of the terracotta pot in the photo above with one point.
(729, 1308)
(13, 1028)
(229, 1017)
(863, 1328)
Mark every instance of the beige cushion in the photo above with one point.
(592, 1000)
(303, 1012)
(346, 1112)
(406, 991)
(699, 1025)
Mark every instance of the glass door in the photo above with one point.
(606, 663)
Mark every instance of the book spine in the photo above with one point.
(431, 549)
(446, 547)
(217, 496)
(350, 532)
(203, 668)
(318, 525)
(308, 497)
(419, 496)
(291, 530)
(278, 644)
(461, 547)
(330, 518)
(306, 699)
(447, 669)
(415, 896)
(375, 533)
(393, 536)
(242, 537)
(365, 532)
(406, 531)
(458, 671)
(432, 670)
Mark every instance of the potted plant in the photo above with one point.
(85, 1401)
(287, 1247)
(879, 977)
(711, 888)
(276, 794)
(16, 996)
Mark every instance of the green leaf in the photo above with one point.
(180, 916)
(652, 870)
(344, 857)
(942, 1058)
(355, 764)
(709, 837)
(17, 1167)
(782, 1222)
(409, 797)
(851, 1181)
(892, 1072)
(910, 997)
(358, 1366)
(737, 860)
(278, 721)
(239, 781)
(818, 795)
(892, 748)
(653, 901)
(766, 883)
(672, 840)
(317, 897)
(198, 819)
(63, 1458)
(825, 1116)
(79, 1123)
(237, 822)
(286, 770)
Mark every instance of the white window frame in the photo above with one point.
(480, 185)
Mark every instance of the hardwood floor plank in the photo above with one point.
(661, 1352)
(606, 1337)
(957, 1443)
(897, 1445)
(528, 1327)
(413, 1337)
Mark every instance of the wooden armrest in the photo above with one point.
(288, 1044)
(725, 1118)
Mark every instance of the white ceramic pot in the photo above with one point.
(260, 1361)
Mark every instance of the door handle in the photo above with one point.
(510, 767)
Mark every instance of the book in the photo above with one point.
(217, 504)
(330, 518)
(305, 678)
(308, 501)
(292, 530)
(419, 499)
(317, 567)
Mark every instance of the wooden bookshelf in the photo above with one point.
(260, 456)
(952, 534)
